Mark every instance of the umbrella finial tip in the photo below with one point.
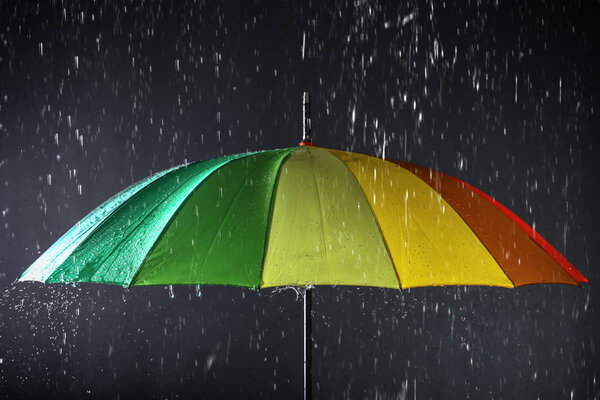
(306, 121)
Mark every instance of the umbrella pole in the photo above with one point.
(307, 140)
(307, 343)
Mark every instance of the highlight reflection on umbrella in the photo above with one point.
(302, 216)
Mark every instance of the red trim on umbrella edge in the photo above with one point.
(543, 243)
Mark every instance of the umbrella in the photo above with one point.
(302, 216)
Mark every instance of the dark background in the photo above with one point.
(97, 95)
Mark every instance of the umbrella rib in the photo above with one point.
(132, 232)
(83, 235)
(376, 223)
(419, 226)
(183, 202)
(434, 245)
(85, 268)
(270, 220)
(437, 190)
(140, 223)
(577, 276)
(523, 226)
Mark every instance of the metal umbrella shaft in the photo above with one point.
(307, 343)
(307, 140)
(306, 120)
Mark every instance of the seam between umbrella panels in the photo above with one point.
(525, 227)
(494, 203)
(234, 201)
(270, 215)
(457, 213)
(131, 232)
(221, 226)
(95, 226)
(185, 200)
(387, 249)
(102, 222)
(470, 229)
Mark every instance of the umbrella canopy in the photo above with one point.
(302, 216)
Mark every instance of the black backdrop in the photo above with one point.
(97, 95)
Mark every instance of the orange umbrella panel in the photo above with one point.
(521, 258)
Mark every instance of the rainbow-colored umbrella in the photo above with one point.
(302, 216)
